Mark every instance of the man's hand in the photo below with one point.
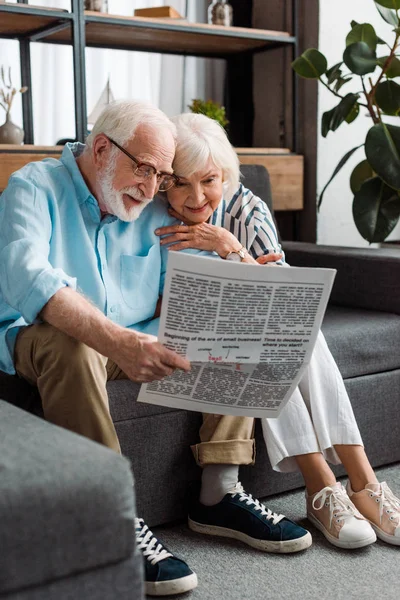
(140, 356)
(143, 359)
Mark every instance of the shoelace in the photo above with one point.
(250, 501)
(151, 548)
(387, 501)
(340, 506)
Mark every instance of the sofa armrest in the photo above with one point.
(67, 504)
(366, 277)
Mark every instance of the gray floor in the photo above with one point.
(233, 571)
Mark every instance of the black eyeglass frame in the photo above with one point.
(158, 174)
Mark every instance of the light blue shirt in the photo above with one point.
(52, 236)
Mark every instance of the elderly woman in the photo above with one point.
(217, 213)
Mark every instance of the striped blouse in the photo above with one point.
(250, 221)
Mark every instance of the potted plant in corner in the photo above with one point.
(9, 132)
(211, 109)
(375, 181)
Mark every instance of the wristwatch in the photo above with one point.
(237, 255)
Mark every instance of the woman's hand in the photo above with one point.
(270, 258)
(201, 236)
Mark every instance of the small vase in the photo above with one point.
(10, 133)
(220, 13)
(97, 5)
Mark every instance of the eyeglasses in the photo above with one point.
(143, 171)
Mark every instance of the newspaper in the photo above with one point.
(248, 330)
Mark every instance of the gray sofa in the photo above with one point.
(66, 515)
(362, 327)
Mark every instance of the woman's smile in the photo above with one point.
(198, 209)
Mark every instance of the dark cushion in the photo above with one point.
(366, 277)
(362, 341)
(256, 178)
(66, 503)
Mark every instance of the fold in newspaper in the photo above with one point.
(248, 330)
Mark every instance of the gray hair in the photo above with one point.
(200, 138)
(120, 119)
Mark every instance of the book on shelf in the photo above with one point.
(158, 12)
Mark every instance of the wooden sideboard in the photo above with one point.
(285, 169)
(14, 157)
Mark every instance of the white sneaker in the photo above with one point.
(334, 514)
(381, 507)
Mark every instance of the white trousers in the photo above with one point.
(317, 416)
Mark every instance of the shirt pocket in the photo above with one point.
(140, 279)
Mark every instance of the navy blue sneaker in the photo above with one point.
(165, 574)
(241, 517)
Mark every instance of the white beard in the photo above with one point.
(113, 201)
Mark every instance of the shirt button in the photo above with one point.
(113, 309)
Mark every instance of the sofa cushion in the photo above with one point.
(66, 503)
(362, 342)
(122, 395)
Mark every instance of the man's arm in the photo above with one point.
(140, 356)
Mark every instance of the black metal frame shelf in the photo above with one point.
(82, 29)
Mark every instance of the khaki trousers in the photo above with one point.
(71, 379)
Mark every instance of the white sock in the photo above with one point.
(216, 481)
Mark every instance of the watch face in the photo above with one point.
(234, 256)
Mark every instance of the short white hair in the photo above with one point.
(200, 138)
(120, 119)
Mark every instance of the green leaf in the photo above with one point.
(341, 81)
(332, 119)
(394, 69)
(359, 58)
(394, 4)
(382, 148)
(360, 173)
(376, 210)
(353, 114)
(387, 97)
(353, 24)
(362, 33)
(341, 164)
(388, 15)
(311, 64)
(334, 73)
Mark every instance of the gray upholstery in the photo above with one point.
(366, 277)
(362, 341)
(66, 508)
(120, 581)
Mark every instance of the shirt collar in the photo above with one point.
(68, 158)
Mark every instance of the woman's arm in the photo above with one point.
(204, 236)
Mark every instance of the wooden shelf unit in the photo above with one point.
(80, 29)
(136, 33)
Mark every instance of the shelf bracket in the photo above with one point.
(39, 34)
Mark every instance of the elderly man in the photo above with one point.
(77, 250)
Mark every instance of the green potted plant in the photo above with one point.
(375, 181)
(211, 109)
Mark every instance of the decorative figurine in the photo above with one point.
(220, 13)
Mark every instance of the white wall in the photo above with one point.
(335, 220)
